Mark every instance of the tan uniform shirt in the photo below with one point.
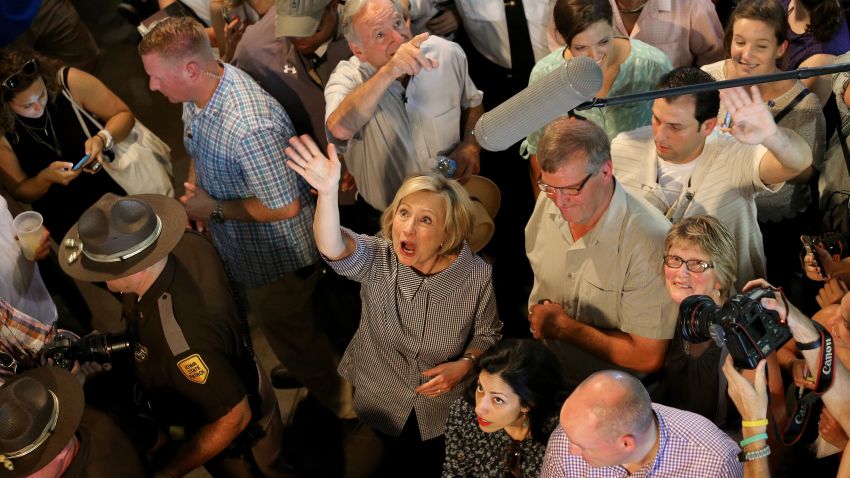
(611, 278)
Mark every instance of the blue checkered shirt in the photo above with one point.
(237, 142)
(690, 447)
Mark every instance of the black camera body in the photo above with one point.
(747, 329)
(100, 348)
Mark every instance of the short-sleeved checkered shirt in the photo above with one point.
(237, 142)
(690, 447)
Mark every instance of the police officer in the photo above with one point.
(192, 355)
(46, 431)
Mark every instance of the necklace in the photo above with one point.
(632, 11)
(34, 131)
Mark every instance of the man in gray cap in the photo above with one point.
(192, 353)
(291, 53)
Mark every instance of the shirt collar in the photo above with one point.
(216, 102)
(663, 443)
(322, 49)
(440, 285)
(607, 229)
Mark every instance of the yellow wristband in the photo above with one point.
(754, 423)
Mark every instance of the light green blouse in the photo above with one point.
(640, 72)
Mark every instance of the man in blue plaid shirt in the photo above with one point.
(259, 212)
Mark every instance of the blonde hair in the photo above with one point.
(457, 208)
(177, 38)
(713, 238)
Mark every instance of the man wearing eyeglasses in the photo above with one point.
(685, 165)
(598, 298)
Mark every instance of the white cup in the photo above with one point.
(28, 229)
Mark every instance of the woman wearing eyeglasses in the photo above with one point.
(42, 139)
(700, 259)
(501, 427)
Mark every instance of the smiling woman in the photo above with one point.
(756, 42)
(628, 66)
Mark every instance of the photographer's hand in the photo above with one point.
(811, 269)
(750, 399)
(87, 371)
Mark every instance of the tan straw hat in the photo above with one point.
(486, 200)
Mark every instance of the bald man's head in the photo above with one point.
(617, 401)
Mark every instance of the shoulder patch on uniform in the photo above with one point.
(194, 369)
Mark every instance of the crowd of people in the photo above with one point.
(624, 292)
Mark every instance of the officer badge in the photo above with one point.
(194, 369)
(140, 353)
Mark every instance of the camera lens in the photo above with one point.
(696, 314)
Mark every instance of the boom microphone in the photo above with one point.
(534, 107)
(798, 74)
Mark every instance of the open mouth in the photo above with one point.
(407, 248)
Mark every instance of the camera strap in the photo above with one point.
(807, 405)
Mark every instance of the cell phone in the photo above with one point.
(228, 15)
(81, 162)
(810, 244)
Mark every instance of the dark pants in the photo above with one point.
(512, 276)
(408, 455)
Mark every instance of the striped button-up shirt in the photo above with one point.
(690, 446)
(411, 323)
(237, 142)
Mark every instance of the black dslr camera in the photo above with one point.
(747, 329)
(101, 348)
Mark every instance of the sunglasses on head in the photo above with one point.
(28, 69)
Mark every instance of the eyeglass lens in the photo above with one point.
(693, 265)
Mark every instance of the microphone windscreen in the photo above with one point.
(552, 96)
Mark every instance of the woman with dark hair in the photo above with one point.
(42, 139)
(756, 42)
(817, 33)
(501, 427)
(628, 66)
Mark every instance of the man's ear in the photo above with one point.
(357, 51)
(628, 442)
(708, 126)
(192, 70)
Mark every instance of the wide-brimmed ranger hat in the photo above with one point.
(40, 410)
(486, 200)
(119, 236)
